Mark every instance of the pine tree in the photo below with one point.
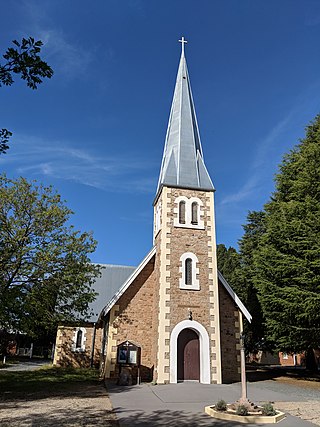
(248, 244)
(228, 263)
(287, 260)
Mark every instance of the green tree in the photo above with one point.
(287, 261)
(239, 271)
(248, 244)
(45, 272)
(23, 59)
(228, 264)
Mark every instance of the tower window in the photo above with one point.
(188, 272)
(189, 213)
(194, 213)
(182, 212)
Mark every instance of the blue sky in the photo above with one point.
(96, 130)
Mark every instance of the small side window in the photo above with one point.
(79, 339)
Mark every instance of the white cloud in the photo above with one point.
(64, 56)
(36, 158)
(70, 59)
(264, 157)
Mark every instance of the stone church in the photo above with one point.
(174, 317)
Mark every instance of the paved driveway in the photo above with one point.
(183, 404)
(27, 365)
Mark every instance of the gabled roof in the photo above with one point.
(121, 290)
(182, 162)
(111, 279)
(128, 282)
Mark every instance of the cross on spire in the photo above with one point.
(182, 41)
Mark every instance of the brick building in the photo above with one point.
(175, 307)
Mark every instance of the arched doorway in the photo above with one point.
(188, 354)
(204, 349)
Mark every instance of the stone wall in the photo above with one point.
(172, 242)
(229, 335)
(134, 321)
(65, 355)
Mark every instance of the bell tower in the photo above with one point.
(188, 340)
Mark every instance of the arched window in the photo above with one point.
(182, 212)
(189, 213)
(194, 213)
(79, 339)
(188, 271)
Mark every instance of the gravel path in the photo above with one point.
(305, 396)
(89, 406)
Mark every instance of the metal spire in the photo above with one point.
(182, 162)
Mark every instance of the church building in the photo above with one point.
(175, 317)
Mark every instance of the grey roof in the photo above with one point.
(182, 162)
(130, 279)
(111, 280)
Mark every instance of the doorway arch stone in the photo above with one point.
(204, 350)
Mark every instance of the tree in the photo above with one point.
(228, 263)
(248, 244)
(238, 269)
(23, 60)
(287, 261)
(45, 272)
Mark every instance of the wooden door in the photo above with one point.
(188, 356)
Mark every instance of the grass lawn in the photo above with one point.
(45, 381)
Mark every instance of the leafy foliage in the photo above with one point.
(4, 139)
(268, 409)
(45, 272)
(221, 405)
(287, 260)
(242, 410)
(23, 59)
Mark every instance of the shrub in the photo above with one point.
(221, 405)
(268, 409)
(241, 410)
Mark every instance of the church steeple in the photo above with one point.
(182, 163)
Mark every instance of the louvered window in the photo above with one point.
(182, 212)
(194, 213)
(188, 272)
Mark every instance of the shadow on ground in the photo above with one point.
(88, 416)
(171, 419)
